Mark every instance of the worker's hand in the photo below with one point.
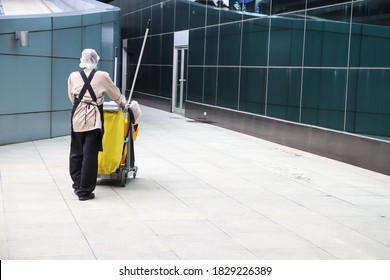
(123, 106)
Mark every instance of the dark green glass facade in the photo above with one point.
(322, 63)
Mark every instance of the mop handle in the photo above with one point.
(139, 62)
(115, 64)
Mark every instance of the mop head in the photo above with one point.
(134, 106)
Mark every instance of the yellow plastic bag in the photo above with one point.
(135, 130)
(113, 139)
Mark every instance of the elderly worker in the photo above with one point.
(86, 90)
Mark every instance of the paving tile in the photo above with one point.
(360, 253)
(26, 195)
(241, 225)
(128, 246)
(3, 250)
(43, 231)
(188, 243)
(205, 253)
(183, 227)
(377, 228)
(270, 239)
(35, 217)
(186, 213)
(80, 257)
(337, 238)
(37, 205)
(124, 254)
(3, 235)
(104, 215)
(293, 254)
(234, 212)
(41, 248)
(156, 203)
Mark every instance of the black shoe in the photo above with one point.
(75, 189)
(86, 196)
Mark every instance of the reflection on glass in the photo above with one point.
(372, 12)
(247, 6)
(336, 13)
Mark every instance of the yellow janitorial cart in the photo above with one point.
(117, 160)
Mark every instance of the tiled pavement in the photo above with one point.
(201, 192)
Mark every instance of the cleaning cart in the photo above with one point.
(117, 160)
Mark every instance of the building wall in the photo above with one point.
(309, 74)
(33, 81)
(327, 66)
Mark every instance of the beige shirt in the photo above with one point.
(87, 116)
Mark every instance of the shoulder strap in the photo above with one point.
(87, 85)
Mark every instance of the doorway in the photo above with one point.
(179, 94)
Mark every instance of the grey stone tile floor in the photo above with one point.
(201, 193)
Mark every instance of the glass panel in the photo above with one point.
(62, 67)
(67, 42)
(211, 45)
(134, 50)
(372, 12)
(168, 16)
(195, 84)
(93, 37)
(197, 15)
(229, 44)
(230, 16)
(340, 12)
(372, 91)
(253, 88)
(351, 100)
(284, 90)
(136, 25)
(374, 45)
(155, 49)
(283, 6)
(141, 84)
(126, 30)
(34, 81)
(64, 22)
(212, 15)
(324, 95)
(167, 49)
(327, 42)
(181, 15)
(166, 81)
(155, 83)
(255, 42)
(146, 3)
(146, 15)
(286, 41)
(134, 4)
(210, 85)
(156, 24)
(196, 41)
(227, 90)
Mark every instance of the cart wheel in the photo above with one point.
(123, 178)
(134, 174)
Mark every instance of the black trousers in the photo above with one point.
(83, 160)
